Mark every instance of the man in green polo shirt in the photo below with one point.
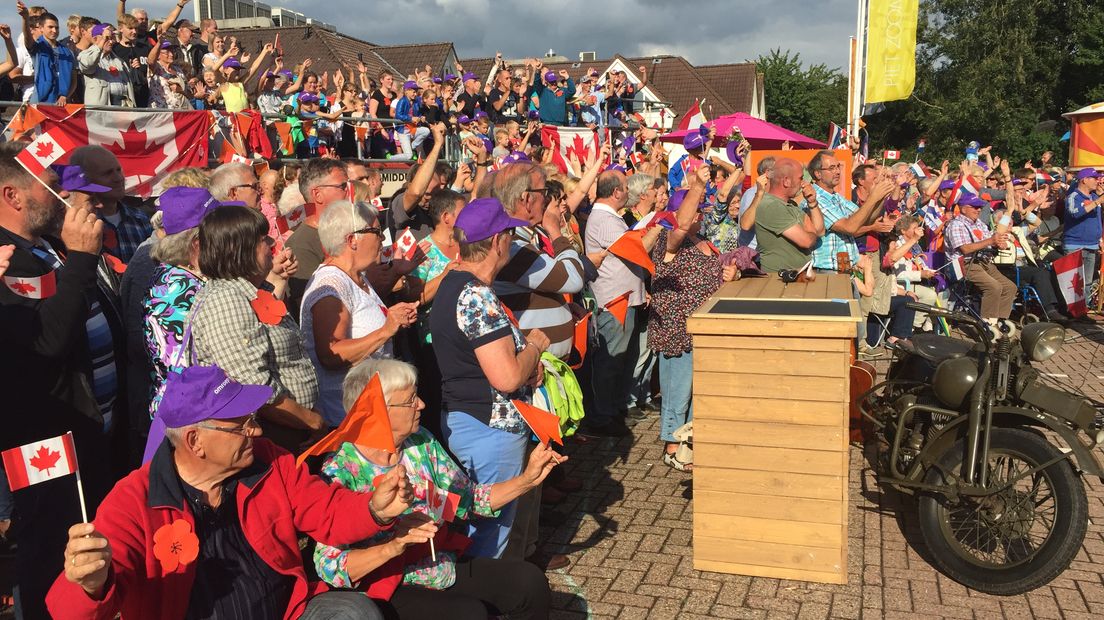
(784, 232)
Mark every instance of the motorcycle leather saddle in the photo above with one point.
(937, 348)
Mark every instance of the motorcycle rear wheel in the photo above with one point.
(1014, 541)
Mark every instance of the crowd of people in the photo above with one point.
(178, 65)
(195, 343)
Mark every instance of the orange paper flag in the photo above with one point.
(366, 425)
(242, 122)
(545, 425)
(283, 130)
(630, 247)
(580, 342)
(26, 120)
(619, 306)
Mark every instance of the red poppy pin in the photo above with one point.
(175, 546)
(116, 265)
(269, 310)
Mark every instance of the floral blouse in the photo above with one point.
(678, 288)
(424, 458)
(433, 266)
(167, 305)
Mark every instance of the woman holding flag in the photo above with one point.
(397, 567)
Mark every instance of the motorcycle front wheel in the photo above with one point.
(1015, 540)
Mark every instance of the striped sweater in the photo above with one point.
(533, 286)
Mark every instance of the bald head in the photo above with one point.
(785, 178)
(612, 188)
(101, 167)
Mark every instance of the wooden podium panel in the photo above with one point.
(771, 372)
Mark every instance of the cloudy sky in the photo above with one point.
(712, 32)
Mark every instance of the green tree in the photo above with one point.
(1001, 72)
(802, 99)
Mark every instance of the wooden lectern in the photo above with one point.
(771, 371)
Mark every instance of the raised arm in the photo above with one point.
(420, 182)
(265, 51)
(170, 19)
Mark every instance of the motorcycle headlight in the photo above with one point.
(1042, 340)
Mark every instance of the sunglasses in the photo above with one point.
(375, 230)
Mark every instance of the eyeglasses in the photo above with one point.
(412, 403)
(245, 429)
(834, 167)
(375, 230)
(544, 191)
(255, 186)
(341, 186)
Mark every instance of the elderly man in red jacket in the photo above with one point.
(208, 528)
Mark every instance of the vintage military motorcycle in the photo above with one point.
(970, 429)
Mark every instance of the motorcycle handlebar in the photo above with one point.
(941, 312)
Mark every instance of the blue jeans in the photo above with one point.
(488, 455)
(676, 381)
(612, 371)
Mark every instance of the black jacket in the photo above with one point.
(45, 365)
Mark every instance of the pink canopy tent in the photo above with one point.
(760, 133)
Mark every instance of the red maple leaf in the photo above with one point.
(23, 288)
(45, 459)
(1078, 285)
(580, 148)
(142, 160)
(44, 150)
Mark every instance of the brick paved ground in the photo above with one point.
(629, 536)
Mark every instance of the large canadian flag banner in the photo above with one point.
(149, 145)
(40, 461)
(567, 141)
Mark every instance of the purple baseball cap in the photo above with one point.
(449, 77)
(167, 45)
(470, 76)
(231, 63)
(463, 120)
(676, 199)
(532, 115)
(517, 157)
(693, 140)
(948, 184)
(616, 168)
(484, 218)
(308, 98)
(99, 29)
(410, 85)
(550, 76)
(479, 114)
(1087, 173)
(73, 179)
(201, 393)
(182, 208)
(970, 200)
(437, 79)
(487, 144)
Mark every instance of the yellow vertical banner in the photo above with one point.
(891, 49)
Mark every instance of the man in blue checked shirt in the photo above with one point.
(844, 220)
(125, 225)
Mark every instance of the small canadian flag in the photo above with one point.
(891, 155)
(45, 150)
(406, 244)
(37, 287)
(40, 461)
(387, 248)
(292, 220)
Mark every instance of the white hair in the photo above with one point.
(636, 185)
(394, 376)
(340, 219)
(228, 175)
(290, 199)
